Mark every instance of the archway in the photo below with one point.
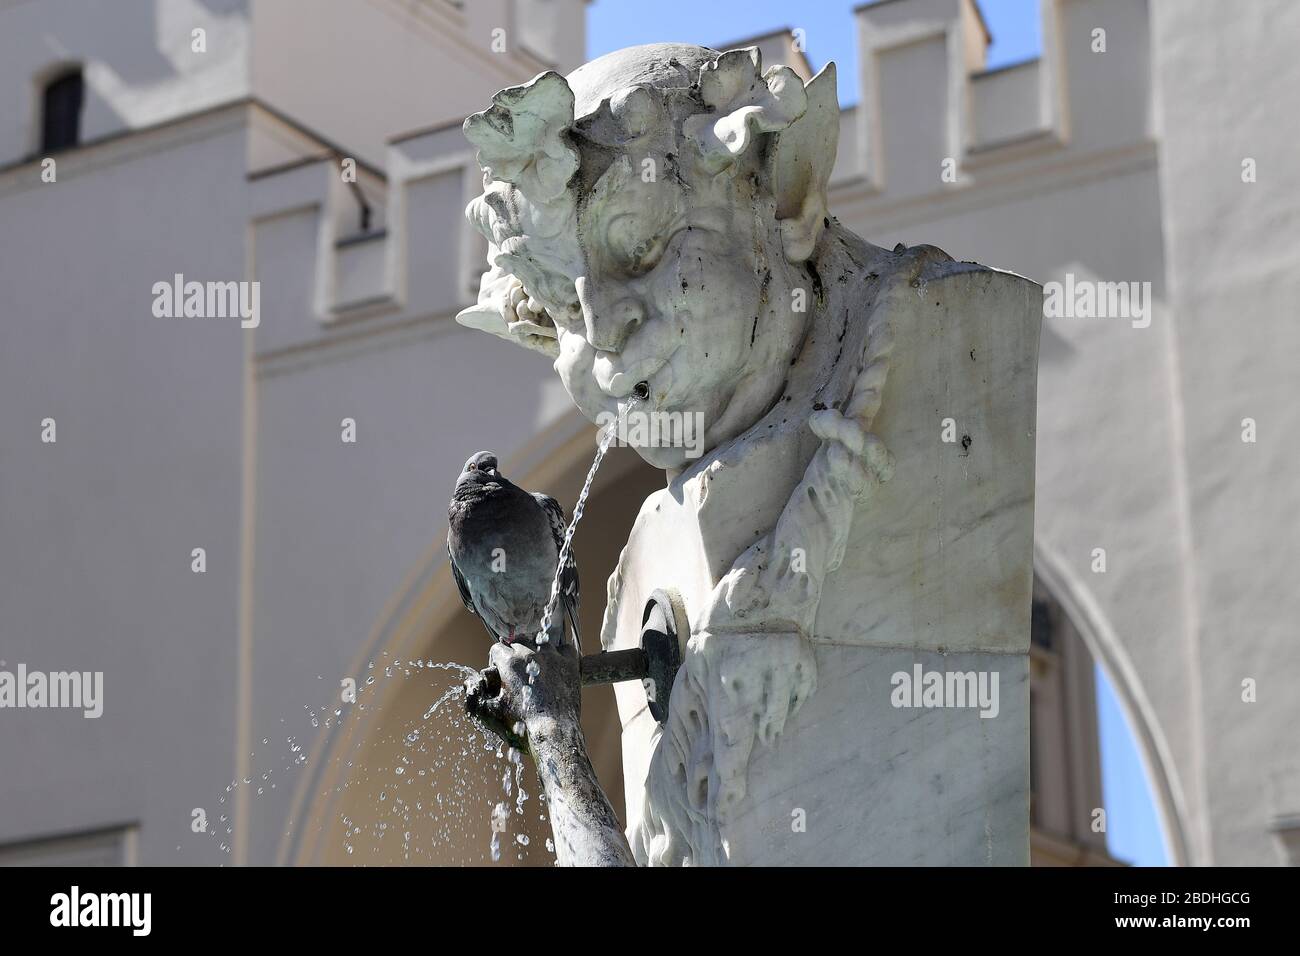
(1103, 643)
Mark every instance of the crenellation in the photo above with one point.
(932, 125)
(400, 266)
(932, 118)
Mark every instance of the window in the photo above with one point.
(111, 847)
(61, 112)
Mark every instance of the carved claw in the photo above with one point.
(749, 686)
(486, 704)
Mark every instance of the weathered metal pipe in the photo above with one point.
(654, 663)
(610, 667)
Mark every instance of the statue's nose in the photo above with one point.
(609, 323)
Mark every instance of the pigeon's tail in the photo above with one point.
(564, 627)
(573, 631)
(570, 602)
(569, 573)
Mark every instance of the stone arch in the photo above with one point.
(425, 619)
(1090, 620)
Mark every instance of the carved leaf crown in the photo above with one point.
(539, 161)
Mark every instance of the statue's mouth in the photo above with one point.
(641, 390)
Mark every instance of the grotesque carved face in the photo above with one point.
(663, 257)
(679, 276)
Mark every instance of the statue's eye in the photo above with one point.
(635, 249)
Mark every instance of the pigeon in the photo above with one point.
(503, 543)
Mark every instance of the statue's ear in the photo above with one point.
(803, 121)
(743, 103)
(800, 167)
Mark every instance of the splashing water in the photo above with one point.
(606, 438)
(416, 737)
(429, 791)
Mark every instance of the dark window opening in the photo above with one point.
(1040, 627)
(61, 113)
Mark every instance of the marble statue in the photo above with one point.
(859, 512)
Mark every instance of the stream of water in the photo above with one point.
(602, 446)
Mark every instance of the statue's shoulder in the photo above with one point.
(877, 276)
(929, 264)
(904, 264)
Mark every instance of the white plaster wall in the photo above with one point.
(362, 71)
(97, 529)
(137, 62)
(1225, 89)
(341, 526)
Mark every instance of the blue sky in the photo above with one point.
(1133, 831)
(1132, 828)
(827, 24)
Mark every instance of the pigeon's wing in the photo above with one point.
(569, 575)
(463, 586)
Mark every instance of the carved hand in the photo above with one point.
(510, 702)
(533, 699)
